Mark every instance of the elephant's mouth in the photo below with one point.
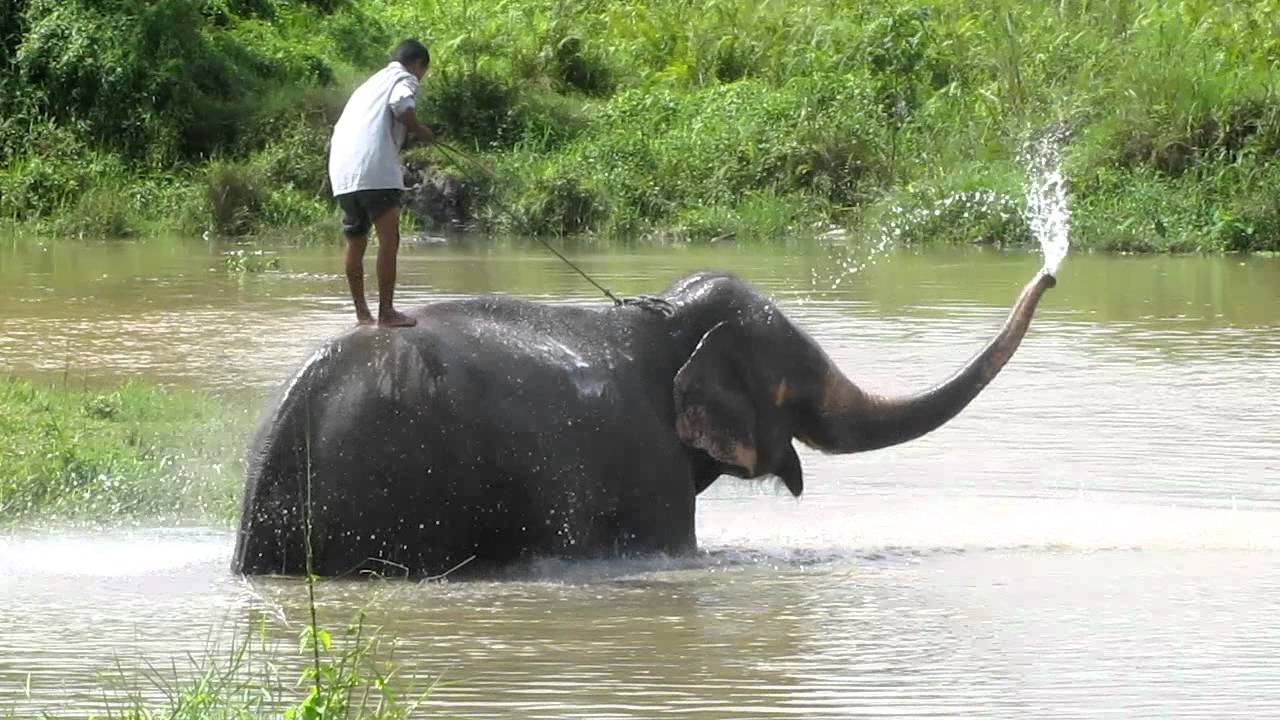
(738, 458)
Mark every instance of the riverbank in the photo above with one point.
(128, 452)
(662, 121)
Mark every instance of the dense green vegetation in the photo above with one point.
(660, 120)
(134, 451)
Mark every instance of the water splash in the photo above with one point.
(911, 222)
(1047, 211)
(918, 218)
(845, 257)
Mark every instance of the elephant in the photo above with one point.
(498, 430)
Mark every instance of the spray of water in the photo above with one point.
(1047, 210)
(1047, 214)
(845, 259)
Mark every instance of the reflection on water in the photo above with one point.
(1099, 533)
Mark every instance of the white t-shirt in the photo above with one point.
(364, 153)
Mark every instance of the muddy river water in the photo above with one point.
(1098, 534)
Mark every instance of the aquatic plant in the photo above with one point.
(242, 262)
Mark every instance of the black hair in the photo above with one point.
(411, 51)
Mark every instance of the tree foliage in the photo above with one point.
(141, 76)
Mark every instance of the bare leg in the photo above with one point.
(355, 277)
(388, 226)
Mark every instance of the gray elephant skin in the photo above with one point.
(499, 430)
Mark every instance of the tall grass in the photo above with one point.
(676, 120)
(711, 103)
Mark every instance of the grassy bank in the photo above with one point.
(130, 452)
(661, 120)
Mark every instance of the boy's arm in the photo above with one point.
(403, 103)
(409, 117)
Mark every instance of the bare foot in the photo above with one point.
(393, 318)
(364, 319)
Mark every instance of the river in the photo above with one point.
(1098, 534)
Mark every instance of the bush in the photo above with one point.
(474, 107)
(170, 202)
(1250, 222)
(560, 60)
(578, 69)
(548, 120)
(235, 195)
(102, 212)
(55, 169)
(286, 208)
(1223, 208)
(357, 33)
(623, 118)
(653, 157)
(835, 165)
(297, 157)
(981, 206)
(756, 217)
(12, 28)
(558, 204)
(154, 80)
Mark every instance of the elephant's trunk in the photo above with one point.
(851, 420)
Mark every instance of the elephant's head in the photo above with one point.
(754, 381)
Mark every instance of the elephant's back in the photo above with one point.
(489, 356)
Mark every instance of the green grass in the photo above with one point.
(665, 120)
(245, 680)
(249, 676)
(130, 452)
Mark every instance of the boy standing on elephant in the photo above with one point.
(365, 172)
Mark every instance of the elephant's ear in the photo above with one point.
(714, 411)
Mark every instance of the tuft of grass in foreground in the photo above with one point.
(246, 680)
(128, 452)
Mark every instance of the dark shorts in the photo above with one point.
(362, 207)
